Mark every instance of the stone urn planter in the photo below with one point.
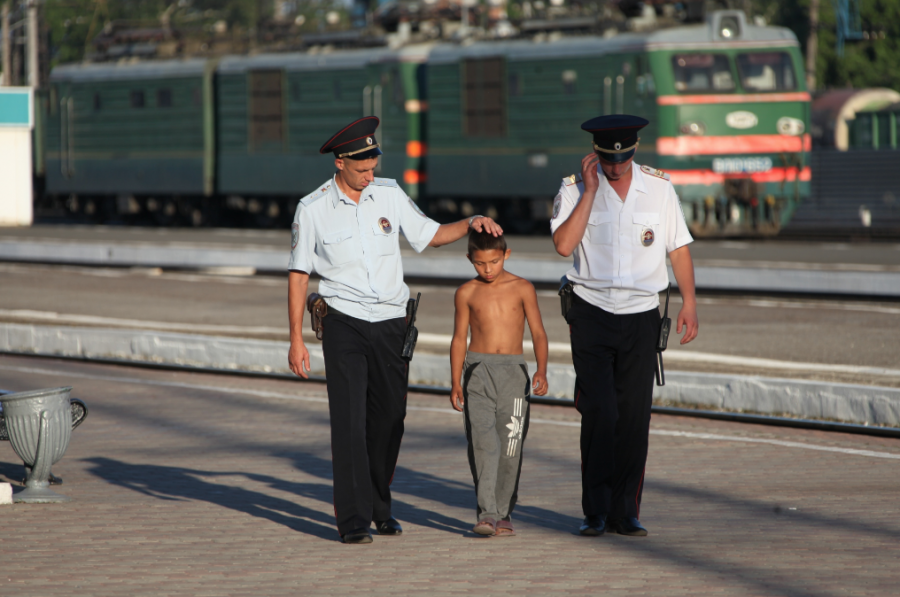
(39, 425)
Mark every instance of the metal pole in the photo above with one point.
(34, 78)
(5, 44)
(812, 45)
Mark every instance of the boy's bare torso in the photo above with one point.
(496, 314)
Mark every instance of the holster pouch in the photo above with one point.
(412, 333)
(318, 309)
(665, 325)
(566, 295)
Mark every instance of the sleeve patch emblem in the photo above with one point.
(416, 207)
(557, 204)
(295, 235)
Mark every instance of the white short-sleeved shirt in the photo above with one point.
(356, 248)
(620, 264)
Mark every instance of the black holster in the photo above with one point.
(566, 295)
(662, 341)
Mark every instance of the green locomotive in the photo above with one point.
(490, 126)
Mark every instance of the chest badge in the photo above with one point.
(385, 225)
(647, 237)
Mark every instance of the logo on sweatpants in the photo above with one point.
(515, 427)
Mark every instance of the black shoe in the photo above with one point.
(593, 526)
(628, 526)
(357, 536)
(388, 527)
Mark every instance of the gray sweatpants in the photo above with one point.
(496, 389)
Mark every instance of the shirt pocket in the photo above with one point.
(642, 222)
(338, 246)
(600, 228)
(386, 243)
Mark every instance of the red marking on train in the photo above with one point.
(413, 177)
(708, 177)
(415, 149)
(733, 144)
(753, 98)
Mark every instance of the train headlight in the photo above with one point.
(729, 27)
(693, 127)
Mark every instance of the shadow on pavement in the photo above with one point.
(14, 471)
(407, 481)
(177, 484)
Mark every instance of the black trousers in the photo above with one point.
(615, 361)
(367, 382)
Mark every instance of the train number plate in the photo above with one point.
(741, 165)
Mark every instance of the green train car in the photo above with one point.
(131, 130)
(488, 126)
(726, 101)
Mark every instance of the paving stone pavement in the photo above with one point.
(191, 484)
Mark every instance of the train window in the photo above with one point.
(484, 98)
(698, 73)
(514, 85)
(137, 99)
(98, 102)
(164, 98)
(266, 108)
(766, 71)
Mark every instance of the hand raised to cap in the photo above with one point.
(486, 224)
(589, 173)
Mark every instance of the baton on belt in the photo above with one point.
(664, 326)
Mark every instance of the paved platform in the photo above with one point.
(773, 266)
(210, 485)
(827, 340)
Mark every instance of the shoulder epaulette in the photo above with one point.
(317, 194)
(655, 172)
(573, 179)
(385, 182)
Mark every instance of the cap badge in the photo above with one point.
(369, 140)
(647, 237)
(385, 225)
(617, 146)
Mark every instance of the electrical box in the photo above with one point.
(16, 123)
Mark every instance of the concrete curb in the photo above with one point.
(808, 399)
(437, 266)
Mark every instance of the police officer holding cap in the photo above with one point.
(346, 231)
(620, 220)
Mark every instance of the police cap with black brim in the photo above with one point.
(615, 136)
(356, 141)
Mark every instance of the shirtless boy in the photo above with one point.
(490, 382)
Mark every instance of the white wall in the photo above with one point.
(15, 177)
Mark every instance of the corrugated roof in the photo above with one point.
(695, 36)
(119, 71)
(296, 61)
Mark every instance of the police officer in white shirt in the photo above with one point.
(347, 231)
(619, 220)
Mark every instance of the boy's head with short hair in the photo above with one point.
(488, 254)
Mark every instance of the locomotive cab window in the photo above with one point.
(699, 73)
(484, 97)
(766, 71)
